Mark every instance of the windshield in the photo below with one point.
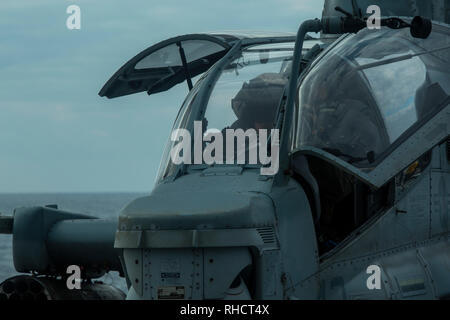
(249, 89)
(376, 85)
(246, 96)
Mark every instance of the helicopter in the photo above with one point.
(361, 190)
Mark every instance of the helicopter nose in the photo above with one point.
(187, 273)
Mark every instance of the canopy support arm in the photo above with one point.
(185, 66)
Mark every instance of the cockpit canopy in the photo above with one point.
(246, 95)
(372, 90)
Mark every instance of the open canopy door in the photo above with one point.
(166, 64)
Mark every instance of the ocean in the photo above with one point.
(102, 205)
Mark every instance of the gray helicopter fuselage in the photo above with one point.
(215, 224)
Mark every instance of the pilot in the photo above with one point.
(256, 104)
(341, 118)
(338, 117)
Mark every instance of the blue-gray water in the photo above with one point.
(101, 205)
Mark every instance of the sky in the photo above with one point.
(56, 133)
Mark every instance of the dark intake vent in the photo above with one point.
(267, 234)
(448, 149)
